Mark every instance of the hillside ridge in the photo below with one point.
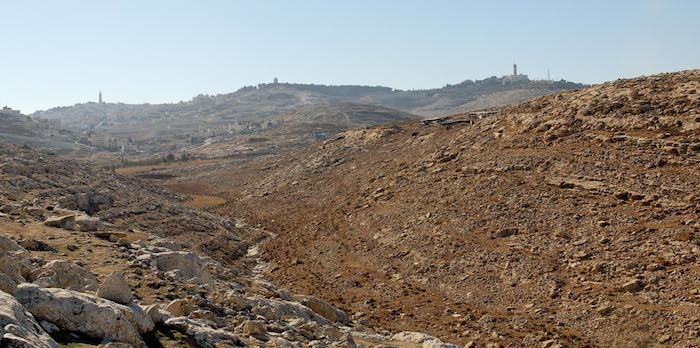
(562, 220)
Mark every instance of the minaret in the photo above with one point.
(100, 97)
(515, 69)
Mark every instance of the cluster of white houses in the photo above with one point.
(199, 136)
(109, 142)
(6, 110)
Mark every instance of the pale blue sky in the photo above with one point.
(57, 53)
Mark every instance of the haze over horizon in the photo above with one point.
(59, 54)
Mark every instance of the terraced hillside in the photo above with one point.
(166, 128)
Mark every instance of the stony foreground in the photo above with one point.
(153, 290)
(70, 274)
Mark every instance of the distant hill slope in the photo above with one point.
(570, 220)
(468, 96)
(345, 116)
(266, 100)
(302, 127)
(16, 128)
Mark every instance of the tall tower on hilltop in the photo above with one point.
(515, 77)
(100, 97)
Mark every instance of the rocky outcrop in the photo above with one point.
(78, 312)
(253, 328)
(13, 264)
(86, 223)
(18, 328)
(9, 245)
(66, 222)
(36, 245)
(324, 309)
(115, 288)
(272, 309)
(189, 265)
(426, 341)
(202, 332)
(11, 267)
(7, 284)
(166, 243)
(66, 275)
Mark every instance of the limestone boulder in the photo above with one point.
(166, 243)
(115, 288)
(11, 209)
(11, 267)
(253, 328)
(11, 246)
(192, 267)
(115, 345)
(18, 328)
(426, 341)
(90, 315)
(7, 284)
(177, 308)
(284, 310)
(86, 223)
(155, 313)
(66, 275)
(66, 222)
(202, 332)
(35, 245)
(325, 309)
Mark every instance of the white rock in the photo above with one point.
(155, 313)
(283, 310)
(282, 343)
(166, 243)
(176, 308)
(86, 223)
(203, 334)
(18, 328)
(426, 340)
(66, 222)
(63, 274)
(9, 245)
(324, 309)
(7, 284)
(92, 316)
(253, 327)
(115, 288)
(191, 266)
(10, 267)
(115, 345)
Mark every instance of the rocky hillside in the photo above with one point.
(21, 129)
(251, 104)
(299, 128)
(570, 220)
(90, 258)
(344, 116)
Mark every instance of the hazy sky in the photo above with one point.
(57, 53)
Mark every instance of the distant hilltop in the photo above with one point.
(254, 104)
(9, 111)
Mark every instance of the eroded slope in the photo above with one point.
(570, 219)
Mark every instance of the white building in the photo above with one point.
(515, 77)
